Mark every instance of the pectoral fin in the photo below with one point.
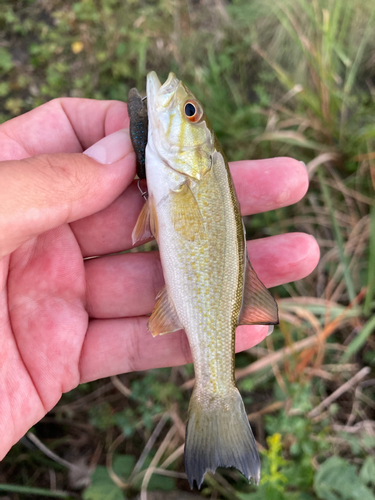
(164, 318)
(147, 225)
(186, 217)
(258, 305)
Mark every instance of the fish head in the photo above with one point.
(179, 131)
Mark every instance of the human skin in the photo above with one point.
(65, 320)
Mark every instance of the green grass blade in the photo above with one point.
(347, 16)
(338, 237)
(371, 265)
(358, 58)
(336, 16)
(359, 341)
(28, 490)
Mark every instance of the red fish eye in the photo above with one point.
(192, 111)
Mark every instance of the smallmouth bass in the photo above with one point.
(210, 286)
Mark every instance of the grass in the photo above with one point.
(41, 492)
(277, 78)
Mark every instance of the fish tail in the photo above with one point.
(218, 434)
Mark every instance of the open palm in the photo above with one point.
(66, 320)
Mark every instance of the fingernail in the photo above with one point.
(270, 328)
(111, 148)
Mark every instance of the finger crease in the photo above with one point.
(71, 124)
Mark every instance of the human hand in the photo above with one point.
(64, 320)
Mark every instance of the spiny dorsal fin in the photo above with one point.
(186, 217)
(258, 305)
(147, 224)
(164, 318)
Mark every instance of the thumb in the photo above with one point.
(45, 191)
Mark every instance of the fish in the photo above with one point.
(210, 285)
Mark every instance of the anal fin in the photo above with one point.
(164, 317)
(258, 305)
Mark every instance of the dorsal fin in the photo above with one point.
(258, 305)
(164, 317)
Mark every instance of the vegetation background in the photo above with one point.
(277, 77)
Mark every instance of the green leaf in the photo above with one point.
(6, 62)
(367, 472)
(4, 89)
(336, 479)
(265, 492)
(103, 492)
(123, 465)
(159, 482)
(102, 487)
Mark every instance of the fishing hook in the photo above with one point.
(143, 193)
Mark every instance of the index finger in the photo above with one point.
(64, 125)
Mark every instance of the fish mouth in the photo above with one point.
(159, 95)
(170, 84)
(160, 99)
(153, 85)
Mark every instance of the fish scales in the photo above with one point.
(205, 271)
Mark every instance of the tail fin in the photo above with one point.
(218, 434)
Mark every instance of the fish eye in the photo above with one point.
(193, 111)
(190, 109)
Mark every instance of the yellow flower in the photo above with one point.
(77, 47)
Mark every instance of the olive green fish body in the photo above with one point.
(194, 214)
